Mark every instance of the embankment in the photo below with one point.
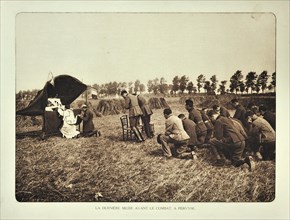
(208, 101)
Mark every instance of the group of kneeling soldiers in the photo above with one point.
(249, 133)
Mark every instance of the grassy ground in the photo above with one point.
(74, 170)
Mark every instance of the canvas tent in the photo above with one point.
(65, 87)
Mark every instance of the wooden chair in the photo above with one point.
(127, 131)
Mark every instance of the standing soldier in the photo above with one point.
(131, 103)
(195, 116)
(147, 112)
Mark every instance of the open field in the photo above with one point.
(74, 170)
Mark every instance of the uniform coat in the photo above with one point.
(240, 115)
(88, 125)
(147, 112)
(208, 125)
(189, 127)
(174, 129)
(262, 134)
(131, 103)
(271, 118)
(201, 129)
(227, 131)
(175, 133)
(224, 112)
(265, 129)
(230, 138)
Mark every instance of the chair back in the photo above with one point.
(124, 121)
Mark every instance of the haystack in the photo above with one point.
(157, 103)
(111, 106)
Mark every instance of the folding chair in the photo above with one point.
(127, 132)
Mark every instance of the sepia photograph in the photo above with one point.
(126, 107)
(146, 111)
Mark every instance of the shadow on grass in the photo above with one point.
(37, 134)
(156, 153)
(118, 138)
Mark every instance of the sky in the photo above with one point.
(123, 47)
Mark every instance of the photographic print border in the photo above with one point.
(11, 209)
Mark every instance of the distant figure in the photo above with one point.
(196, 117)
(189, 126)
(221, 110)
(268, 116)
(176, 135)
(69, 128)
(262, 135)
(88, 124)
(230, 139)
(131, 103)
(240, 113)
(146, 116)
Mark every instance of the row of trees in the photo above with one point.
(251, 83)
(113, 88)
(26, 95)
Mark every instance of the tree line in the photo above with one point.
(251, 83)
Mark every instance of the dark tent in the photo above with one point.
(65, 87)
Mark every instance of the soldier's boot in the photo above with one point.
(138, 134)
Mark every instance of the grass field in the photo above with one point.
(75, 170)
